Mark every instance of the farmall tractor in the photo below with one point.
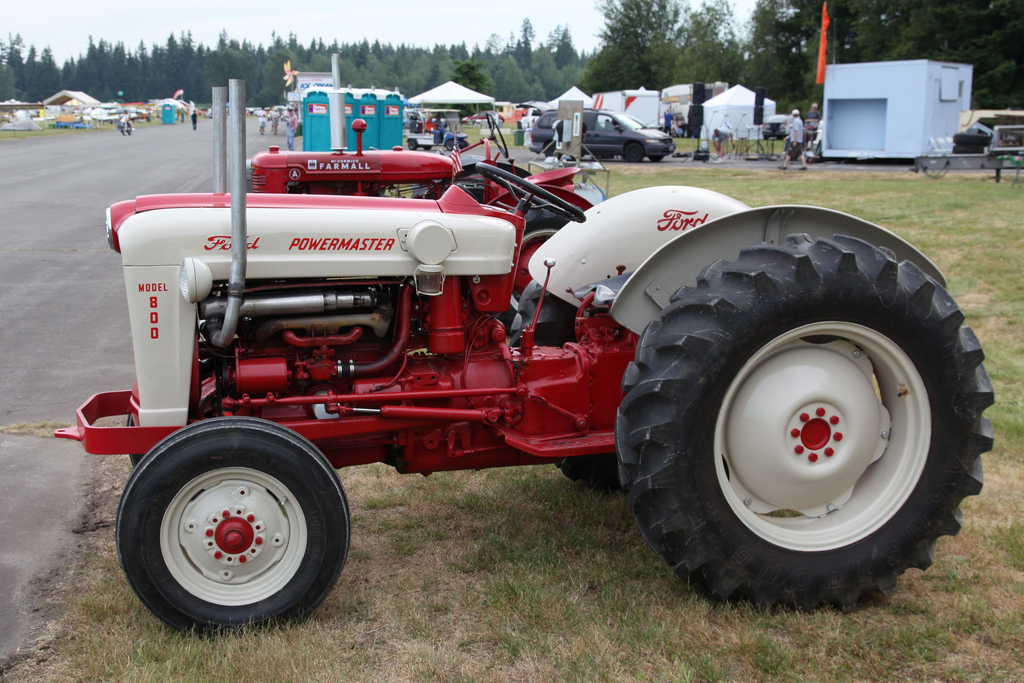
(788, 394)
(423, 175)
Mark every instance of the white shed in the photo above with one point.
(893, 110)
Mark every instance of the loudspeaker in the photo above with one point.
(697, 96)
(758, 105)
(696, 116)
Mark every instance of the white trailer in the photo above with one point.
(677, 98)
(894, 110)
(644, 105)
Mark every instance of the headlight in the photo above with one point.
(194, 280)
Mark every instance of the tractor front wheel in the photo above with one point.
(232, 521)
(801, 426)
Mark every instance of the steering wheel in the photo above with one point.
(522, 188)
(499, 140)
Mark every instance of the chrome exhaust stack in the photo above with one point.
(236, 281)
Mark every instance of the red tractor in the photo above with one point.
(422, 175)
(788, 394)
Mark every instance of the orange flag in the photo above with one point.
(821, 45)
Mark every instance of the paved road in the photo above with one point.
(64, 330)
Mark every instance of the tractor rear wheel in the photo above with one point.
(232, 521)
(801, 426)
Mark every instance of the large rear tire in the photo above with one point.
(801, 426)
(232, 521)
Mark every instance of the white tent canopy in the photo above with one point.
(21, 124)
(734, 109)
(451, 93)
(574, 94)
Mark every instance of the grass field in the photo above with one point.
(521, 575)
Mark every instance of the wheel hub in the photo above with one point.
(802, 428)
(234, 536)
(234, 532)
(815, 432)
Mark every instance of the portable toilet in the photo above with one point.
(391, 122)
(168, 113)
(316, 122)
(368, 108)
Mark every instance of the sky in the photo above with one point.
(65, 25)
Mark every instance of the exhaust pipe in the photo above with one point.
(220, 140)
(336, 104)
(236, 282)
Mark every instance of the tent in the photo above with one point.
(451, 93)
(21, 124)
(734, 109)
(72, 97)
(574, 94)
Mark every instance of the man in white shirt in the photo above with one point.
(796, 142)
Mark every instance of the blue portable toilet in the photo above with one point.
(168, 113)
(316, 122)
(391, 122)
(366, 107)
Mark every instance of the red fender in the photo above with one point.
(555, 176)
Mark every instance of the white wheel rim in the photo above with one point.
(252, 552)
(793, 401)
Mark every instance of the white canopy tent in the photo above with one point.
(71, 98)
(574, 94)
(21, 124)
(451, 93)
(734, 110)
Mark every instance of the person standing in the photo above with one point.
(291, 126)
(668, 121)
(262, 117)
(813, 118)
(195, 118)
(796, 143)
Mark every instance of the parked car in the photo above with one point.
(607, 134)
(775, 127)
(481, 117)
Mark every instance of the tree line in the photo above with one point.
(648, 43)
(657, 43)
(514, 68)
